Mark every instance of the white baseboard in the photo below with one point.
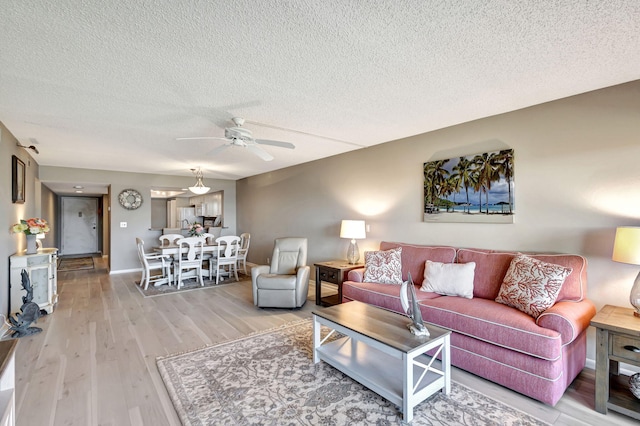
(125, 271)
(590, 364)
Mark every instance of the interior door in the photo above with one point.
(79, 225)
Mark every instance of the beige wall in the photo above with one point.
(576, 179)
(48, 210)
(12, 213)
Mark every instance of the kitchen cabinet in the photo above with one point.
(208, 205)
(213, 204)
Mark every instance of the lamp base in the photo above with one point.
(634, 296)
(353, 252)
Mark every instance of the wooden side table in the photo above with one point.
(334, 272)
(617, 340)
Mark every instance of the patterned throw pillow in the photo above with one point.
(383, 267)
(532, 285)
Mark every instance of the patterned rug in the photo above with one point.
(75, 263)
(269, 379)
(188, 285)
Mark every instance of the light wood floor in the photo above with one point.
(94, 363)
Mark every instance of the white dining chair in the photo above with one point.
(190, 259)
(151, 262)
(243, 249)
(227, 257)
(168, 239)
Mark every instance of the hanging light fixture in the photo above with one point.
(199, 187)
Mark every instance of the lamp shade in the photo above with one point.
(626, 248)
(353, 229)
(199, 187)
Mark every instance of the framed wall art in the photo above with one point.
(476, 188)
(17, 180)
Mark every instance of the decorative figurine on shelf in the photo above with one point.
(409, 302)
(29, 312)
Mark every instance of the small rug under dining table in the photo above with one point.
(269, 378)
(188, 285)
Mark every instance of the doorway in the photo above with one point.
(79, 225)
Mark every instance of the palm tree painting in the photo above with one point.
(476, 188)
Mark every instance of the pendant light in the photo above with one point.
(199, 187)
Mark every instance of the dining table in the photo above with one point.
(173, 249)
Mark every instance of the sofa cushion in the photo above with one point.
(575, 285)
(414, 257)
(276, 282)
(494, 323)
(531, 285)
(449, 279)
(381, 295)
(491, 266)
(384, 266)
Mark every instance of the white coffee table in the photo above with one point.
(379, 352)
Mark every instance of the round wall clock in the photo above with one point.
(130, 199)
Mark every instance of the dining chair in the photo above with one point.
(209, 240)
(168, 239)
(227, 256)
(243, 249)
(151, 262)
(216, 231)
(190, 258)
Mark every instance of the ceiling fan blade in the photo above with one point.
(275, 143)
(200, 138)
(260, 152)
(219, 149)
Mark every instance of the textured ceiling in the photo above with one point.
(112, 84)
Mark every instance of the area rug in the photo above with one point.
(75, 263)
(189, 285)
(269, 379)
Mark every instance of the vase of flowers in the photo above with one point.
(31, 228)
(196, 230)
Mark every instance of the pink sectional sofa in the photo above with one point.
(536, 357)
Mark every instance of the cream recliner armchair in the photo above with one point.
(284, 283)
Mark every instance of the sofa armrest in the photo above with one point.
(356, 275)
(570, 319)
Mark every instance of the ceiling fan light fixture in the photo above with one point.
(199, 187)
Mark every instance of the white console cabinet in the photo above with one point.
(43, 270)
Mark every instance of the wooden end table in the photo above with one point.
(617, 340)
(335, 272)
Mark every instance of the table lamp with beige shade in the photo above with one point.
(626, 249)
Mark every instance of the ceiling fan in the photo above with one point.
(242, 137)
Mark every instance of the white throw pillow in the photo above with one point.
(449, 279)
(384, 267)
